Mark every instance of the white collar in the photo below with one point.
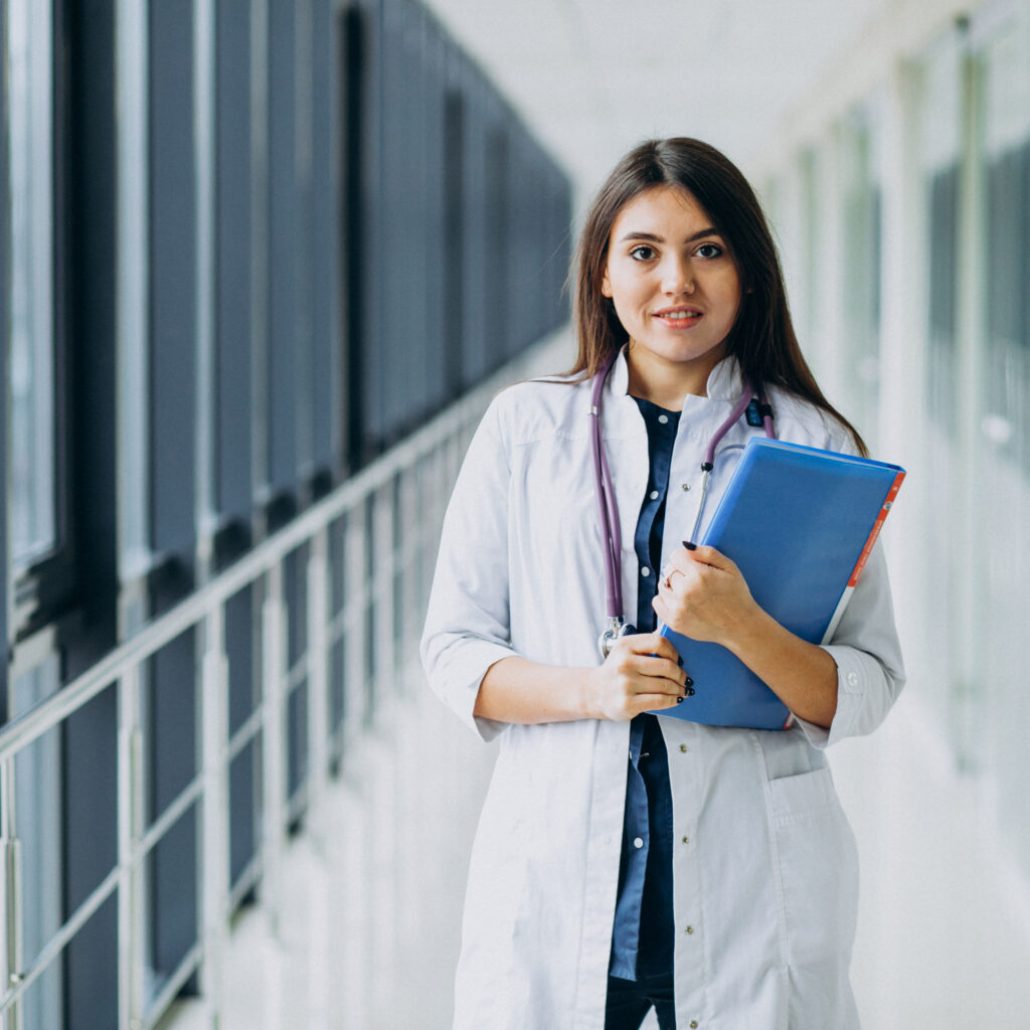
(724, 381)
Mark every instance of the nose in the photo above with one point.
(677, 276)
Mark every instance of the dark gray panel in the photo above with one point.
(323, 247)
(172, 886)
(399, 300)
(87, 256)
(285, 210)
(453, 250)
(89, 775)
(434, 256)
(235, 241)
(295, 594)
(240, 624)
(5, 197)
(369, 256)
(477, 325)
(244, 826)
(171, 726)
(296, 738)
(91, 972)
(172, 277)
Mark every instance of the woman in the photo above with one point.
(624, 860)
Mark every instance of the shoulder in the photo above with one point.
(538, 409)
(800, 421)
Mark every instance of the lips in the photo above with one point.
(680, 309)
(679, 317)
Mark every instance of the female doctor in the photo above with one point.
(623, 860)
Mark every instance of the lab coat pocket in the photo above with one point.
(817, 867)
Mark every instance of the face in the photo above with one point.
(672, 280)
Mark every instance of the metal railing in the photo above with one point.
(389, 516)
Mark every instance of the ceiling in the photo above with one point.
(594, 77)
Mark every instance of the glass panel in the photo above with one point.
(171, 722)
(172, 898)
(37, 774)
(244, 808)
(31, 381)
(861, 295)
(1005, 430)
(297, 759)
(939, 144)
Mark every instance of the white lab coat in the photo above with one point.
(764, 862)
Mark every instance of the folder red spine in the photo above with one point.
(863, 557)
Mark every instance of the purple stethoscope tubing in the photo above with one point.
(607, 508)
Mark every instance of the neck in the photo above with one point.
(666, 383)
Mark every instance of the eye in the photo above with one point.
(714, 250)
(642, 252)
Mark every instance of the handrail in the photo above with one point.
(25, 729)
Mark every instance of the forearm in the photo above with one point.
(520, 691)
(801, 674)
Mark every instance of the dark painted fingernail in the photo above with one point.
(689, 682)
(679, 700)
(679, 660)
(689, 546)
(690, 691)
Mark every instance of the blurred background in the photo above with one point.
(262, 265)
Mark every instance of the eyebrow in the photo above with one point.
(652, 238)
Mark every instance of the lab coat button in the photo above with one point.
(690, 929)
(638, 842)
(683, 747)
(693, 1024)
(686, 840)
(686, 486)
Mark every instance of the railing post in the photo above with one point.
(356, 608)
(273, 744)
(318, 676)
(214, 850)
(130, 829)
(12, 939)
(381, 586)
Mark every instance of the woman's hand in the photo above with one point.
(641, 673)
(702, 595)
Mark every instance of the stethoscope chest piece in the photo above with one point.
(616, 628)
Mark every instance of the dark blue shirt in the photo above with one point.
(644, 933)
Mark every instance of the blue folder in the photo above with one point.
(799, 522)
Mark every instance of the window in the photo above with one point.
(33, 518)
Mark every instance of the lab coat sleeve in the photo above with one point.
(870, 671)
(467, 619)
(865, 646)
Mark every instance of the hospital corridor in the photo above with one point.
(265, 266)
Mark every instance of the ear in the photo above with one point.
(606, 286)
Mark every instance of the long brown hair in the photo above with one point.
(762, 338)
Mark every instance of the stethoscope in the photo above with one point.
(758, 414)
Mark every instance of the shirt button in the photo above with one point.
(653, 495)
(638, 842)
(645, 572)
(683, 747)
(852, 678)
(663, 419)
